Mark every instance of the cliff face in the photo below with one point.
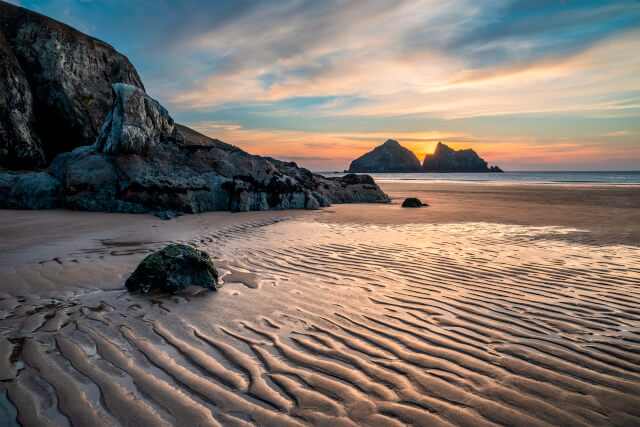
(388, 157)
(55, 87)
(446, 159)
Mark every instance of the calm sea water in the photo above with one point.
(621, 178)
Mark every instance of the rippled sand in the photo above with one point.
(324, 321)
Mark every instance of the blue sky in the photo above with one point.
(537, 85)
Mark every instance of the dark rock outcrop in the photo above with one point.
(30, 191)
(446, 159)
(388, 157)
(141, 162)
(413, 202)
(172, 269)
(55, 87)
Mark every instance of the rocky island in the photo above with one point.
(78, 130)
(388, 157)
(446, 159)
(393, 157)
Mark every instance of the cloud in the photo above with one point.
(558, 59)
(301, 78)
(617, 133)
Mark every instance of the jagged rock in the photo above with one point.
(136, 125)
(30, 191)
(446, 159)
(172, 269)
(388, 157)
(55, 87)
(142, 163)
(413, 202)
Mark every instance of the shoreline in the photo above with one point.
(615, 178)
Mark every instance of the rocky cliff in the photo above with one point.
(61, 90)
(141, 162)
(55, 87)
(446, 159)
(388, 157)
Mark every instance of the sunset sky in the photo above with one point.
(530, 85)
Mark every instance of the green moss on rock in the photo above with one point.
(172, 269)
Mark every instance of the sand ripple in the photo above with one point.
(339, 324)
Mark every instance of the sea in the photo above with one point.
(541, 177)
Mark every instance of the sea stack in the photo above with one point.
(388, 157)
(446, 159)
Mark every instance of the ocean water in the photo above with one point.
(555, 177)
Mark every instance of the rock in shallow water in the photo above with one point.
(413, 202)
(172, 269)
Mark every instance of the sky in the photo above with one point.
(528, 84)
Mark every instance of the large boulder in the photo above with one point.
(446, 159)
(55, 87)
(388, 157)
(172, 269)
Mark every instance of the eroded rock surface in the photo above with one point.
(137, 124)
(55, 87)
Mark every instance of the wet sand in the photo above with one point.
(495, 305)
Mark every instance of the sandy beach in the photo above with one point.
(509, 304)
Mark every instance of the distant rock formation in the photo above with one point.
(388, 157)
(393, 157)
(55, 87)
(446, 159)
(141, 162)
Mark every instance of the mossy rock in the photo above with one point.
(172, 269)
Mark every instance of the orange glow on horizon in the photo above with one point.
(327, 151)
